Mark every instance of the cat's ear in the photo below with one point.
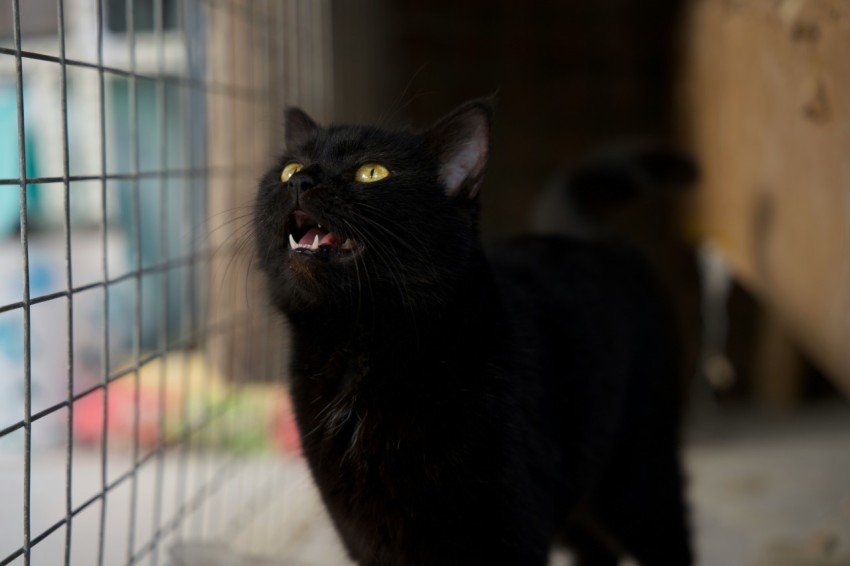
(300, 128)
(461, 142)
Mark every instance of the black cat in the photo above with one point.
(457, 405)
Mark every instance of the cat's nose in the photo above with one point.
(301, 183)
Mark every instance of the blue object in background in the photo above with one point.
(9, 165)
(178, 222)
(10, 168)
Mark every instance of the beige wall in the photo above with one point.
(261, 58)
(767, 106)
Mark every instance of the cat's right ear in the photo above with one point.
(461, 142)
(300, 128)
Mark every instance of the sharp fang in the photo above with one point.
(315, 245)
(292, 243)
(347, 244)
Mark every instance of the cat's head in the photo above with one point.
(353, 215)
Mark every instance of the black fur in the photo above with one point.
(463, 406)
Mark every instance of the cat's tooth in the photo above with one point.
(347, 244)
(320, 225)
(315, 245)
(292, 243)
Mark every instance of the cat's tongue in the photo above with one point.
(325, 238)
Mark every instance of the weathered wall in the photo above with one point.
(261, 58)
(571, 77)
(767, 91)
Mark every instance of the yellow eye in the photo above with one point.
(370, 173)
(290, 170)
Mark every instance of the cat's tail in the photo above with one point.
(580, 200)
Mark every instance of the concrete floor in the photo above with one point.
(765, 491)
(771, 490)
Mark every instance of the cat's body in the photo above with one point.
(458, 406)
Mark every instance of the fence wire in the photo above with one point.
(130, 328)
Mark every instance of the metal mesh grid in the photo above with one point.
(186, 114)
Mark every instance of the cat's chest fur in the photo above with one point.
(368, 417)
(390, 454)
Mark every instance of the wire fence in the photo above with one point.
(131, 337)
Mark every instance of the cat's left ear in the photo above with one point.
(461, 142)
(300, 128)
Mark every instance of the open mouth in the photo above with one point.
(308, 237)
